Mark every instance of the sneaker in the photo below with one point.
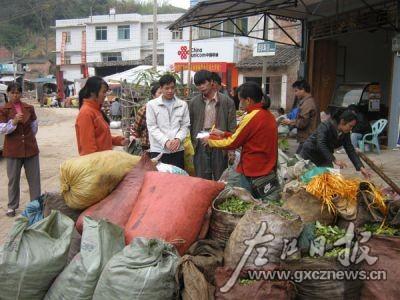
(10, 213)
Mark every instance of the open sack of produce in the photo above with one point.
(32, 257)
(172, 208)
(100, 241)
(117, 206)
(87, 179)
(145, 269)
(227, 210)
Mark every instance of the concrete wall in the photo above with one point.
(368, 58)
(280, 78)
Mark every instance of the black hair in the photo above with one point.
(92, 86)
(202, 76)
(302, 85)
(216, 78)
(167, 79)
(154, 88)
(14, 86)
(347, 116)
(281, 110)
(253, 91)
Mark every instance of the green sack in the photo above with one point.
(144, 270)
(100, 241)
(32, 257)
(309, 175)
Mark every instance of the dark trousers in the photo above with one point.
(175, 159)
(209, 163)
(298, 151)
(32, 171)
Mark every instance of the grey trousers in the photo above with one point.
(209, 163)
(32, 171)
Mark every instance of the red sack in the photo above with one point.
(117, 207)
(171, 207)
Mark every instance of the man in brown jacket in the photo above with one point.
(307, 118)
(208, 110)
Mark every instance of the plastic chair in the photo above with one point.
(372, 138)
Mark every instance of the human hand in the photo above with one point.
(18, 118)
(340, 164)
(204, 141)
(366, 173)
(217, 132)
(288, 122)
(175, 144)
(124, 142)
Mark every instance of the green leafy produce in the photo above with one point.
(283, 144)
(235, 205)
(331, 234)
(377, 228)
(244, 281)
(335, 252)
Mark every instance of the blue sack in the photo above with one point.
(34, 211)
(309, 175)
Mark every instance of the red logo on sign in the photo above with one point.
(184, 52)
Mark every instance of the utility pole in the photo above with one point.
(14, 65)
(190, 60)
(155, 35)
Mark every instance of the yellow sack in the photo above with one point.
(189, 154)
(88, 179)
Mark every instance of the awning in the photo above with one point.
(221, 11)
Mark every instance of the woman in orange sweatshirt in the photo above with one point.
(92, 126)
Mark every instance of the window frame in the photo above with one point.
(68, 37)
(123, 29)
(152, 33)
(117, 55)
(102, 29)
(177, 34)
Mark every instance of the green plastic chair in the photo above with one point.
(372, 138)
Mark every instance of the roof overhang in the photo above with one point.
(220, 11)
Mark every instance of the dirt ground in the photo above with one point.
(57, 142)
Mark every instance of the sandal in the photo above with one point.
(10, 213)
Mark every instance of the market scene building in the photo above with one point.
(212, 149)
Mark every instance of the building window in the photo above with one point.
(68, 37)
(111, 56)
(124, 32)
(67, 60)
(177, 34)
(101, 33)
(150, 34)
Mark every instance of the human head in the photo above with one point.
(203, 82)
(216, 80)
(155, 90)
(301, 89)
(14, 92)
(353, 107)
(167, 85)
(281, 111)
(251, 93)
(346, 120)
(95, 88)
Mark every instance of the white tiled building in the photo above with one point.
(115, 39)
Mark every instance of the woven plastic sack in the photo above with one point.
(100, 241)
(32, 257)
(171, 169)
(189, 154)
(145, 270)
(87, 179)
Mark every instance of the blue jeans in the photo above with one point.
(355, 137)
(245, 183)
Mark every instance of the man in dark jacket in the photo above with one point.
(330, 135)
(210, 110)
(307, 118)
